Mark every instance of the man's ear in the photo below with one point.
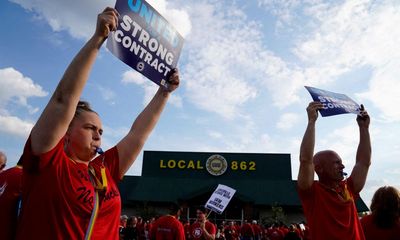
(318, 169)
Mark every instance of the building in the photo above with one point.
(264, 187)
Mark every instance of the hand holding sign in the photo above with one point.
(312, 110)
(363, 119)
(173, 81)
(107, 21)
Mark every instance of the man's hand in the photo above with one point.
(312, 110)
(363, 119)
(107, 21)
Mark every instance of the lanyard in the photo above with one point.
(98, 186)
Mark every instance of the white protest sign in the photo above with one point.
(220, 198)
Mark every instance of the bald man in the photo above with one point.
(329, 203)
(3, 161)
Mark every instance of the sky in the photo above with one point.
(243, 69)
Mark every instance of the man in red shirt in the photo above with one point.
(10, 195)
(256, 229)
(203, 229)
(247, 231)
(329, 204)
(231, 232)
(168, 227)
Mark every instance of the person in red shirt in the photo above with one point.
(329, 204)
(231, 232)
(247, 231)
(168, 227)
(384, 222)
(256, 229)
(3, 161)
(202, 229)
(186, 227)
(68, 192)
(141, 226)
(10, 196)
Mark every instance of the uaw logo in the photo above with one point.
(216, 165)
(197, 232)
(140, 66)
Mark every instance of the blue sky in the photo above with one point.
(243, 68)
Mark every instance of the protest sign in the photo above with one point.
(145, 41)
(220, 198)
(334, 103)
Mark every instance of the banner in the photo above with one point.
(334, 103)
(145, 41)
(220, 198)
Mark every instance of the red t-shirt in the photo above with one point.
(186, 227)
(328, 215)
(247, 230)
(230, 233)
(197, 232)
(167, 228)
(371, 231)
(57, 198)
(10, 193)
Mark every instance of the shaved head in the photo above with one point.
(321, 157)
(328, 165)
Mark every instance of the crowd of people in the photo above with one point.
(135, 228)
(65, 186)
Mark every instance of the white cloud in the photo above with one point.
(229, 65)
(355, 34)
(78, 17)
(149, 87)
(214, 134)
(15, 88)
(107, 94)
(177, 17)
(287, 121)
(75, 16)
(384, 90)
(15, 126)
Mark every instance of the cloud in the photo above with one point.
(78, 17)
(149, 87)
(16, 89)
(107, 94)
(178, 18)
(230, 64)
(15, 126)
(351, 35)
(287, 121)
(214, 134)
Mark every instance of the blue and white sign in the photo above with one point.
(145, 41)
(220, 199)
(334, 103)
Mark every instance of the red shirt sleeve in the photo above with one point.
(35, 163)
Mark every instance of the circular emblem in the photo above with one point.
(216, 165)
(140, 66)
(197, 232)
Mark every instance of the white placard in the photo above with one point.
(220, 198)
